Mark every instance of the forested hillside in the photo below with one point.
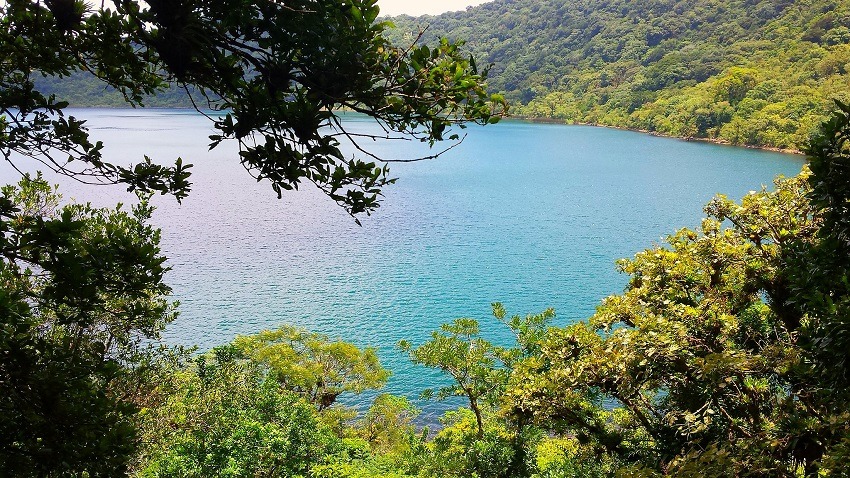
(83, 89)
(754, 72)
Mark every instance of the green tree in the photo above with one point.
(734, 84)
(565, 457)
(726, 355)
(81, 306)
(478, 368)
(388, 424)
(312, 365)
(472, 362)
(225, 416)
(820, 290)
(274, 73)
(701, 367)
(479, 371)
(458, 450)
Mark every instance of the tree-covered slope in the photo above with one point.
(756, 72)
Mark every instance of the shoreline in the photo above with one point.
(541, 120)
(716, 141)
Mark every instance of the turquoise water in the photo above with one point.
(532, 215)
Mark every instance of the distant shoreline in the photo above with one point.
(531, 119)
(717, 141)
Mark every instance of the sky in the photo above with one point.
(424, 7)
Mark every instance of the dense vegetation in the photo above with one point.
(752, 72)
(725, 355)
(82, 297)
(749, 72)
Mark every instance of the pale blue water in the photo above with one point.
(532, 215)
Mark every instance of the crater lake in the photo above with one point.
(530, 215)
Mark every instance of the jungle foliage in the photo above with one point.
(749, 72)
(81, 306)
(726, 355)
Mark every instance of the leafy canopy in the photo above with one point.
(224, 416)
(313, 366)
(479, 369)
(271, 73)
(81, 305)
(83, 301)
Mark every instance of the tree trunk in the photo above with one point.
(473, 404)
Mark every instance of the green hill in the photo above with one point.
(84, 89)
(753, 72)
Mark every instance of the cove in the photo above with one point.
(532, 215)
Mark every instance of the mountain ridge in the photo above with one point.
(747, 72)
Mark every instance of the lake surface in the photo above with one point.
(531, 215)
